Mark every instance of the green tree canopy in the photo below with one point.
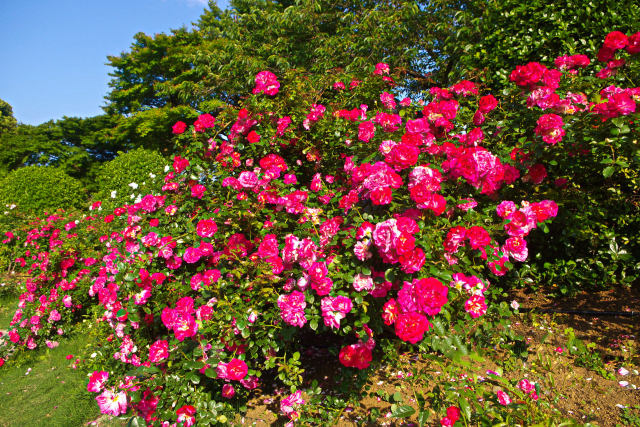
(72, 144)
(8, 123)
(212, 65)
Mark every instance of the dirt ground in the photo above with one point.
(575, 392)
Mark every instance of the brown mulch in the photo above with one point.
(609, 332)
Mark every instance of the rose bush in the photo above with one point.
(321, 205)
(583, 154)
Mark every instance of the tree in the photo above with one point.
(8, 123)
(75, 145)
(215, 64)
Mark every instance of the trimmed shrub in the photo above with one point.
(35, 189)
(129, 174)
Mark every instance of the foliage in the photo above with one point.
(35, 189)
(585, 354)
(595, 164)
(77, 146)
(8, 123)
(134, 172)
(528, 31)
(164, 78)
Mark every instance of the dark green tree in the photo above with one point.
(72, 144)
(494, 36)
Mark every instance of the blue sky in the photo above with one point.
(54, 51)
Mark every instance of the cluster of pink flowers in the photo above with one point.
(266, 82)
(110, 401)
(317, 275)
(465, 88)
(113, 403)
(364, 235)
(503, 398)
(617, 40)
(396, 243)
(453, 415)
(289, 405)
(180, 319)
(159, 351)
(550, 128)
(416, 300)
(520, 221)
(360, 354)
(366, 131)
(316, 112)
(388, 122)
(480, 168)
(477, 236)
(292, 308)
(476, 305)
(204, 122)
(357, 355)
(235, 370)
(618, 102)
(571, 62)
(306, 266)
(179, 127)
(388, 100)
(381, 68)
(533, 73)
(186, 415)
(528, 388)
(439, 115)
(334, 309)
(376, 182)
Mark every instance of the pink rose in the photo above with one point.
(366, 131)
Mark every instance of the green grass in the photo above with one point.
(8, 305)
(51, 394)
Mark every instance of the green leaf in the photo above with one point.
(194, 378)
(389, 275)
(465, 409)
(193, 364)
(403, 411)
(136, 422)
(608, 171)
(423, 417)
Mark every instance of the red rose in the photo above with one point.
(616, 40)
(411, 327)
(179, 127)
